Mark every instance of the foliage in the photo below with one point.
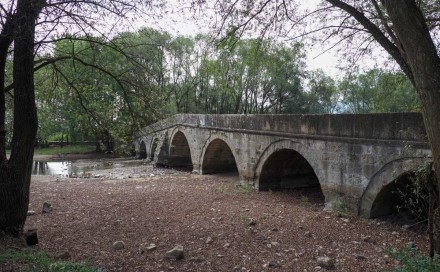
(412, 260)
(38, 261)
(371, 92)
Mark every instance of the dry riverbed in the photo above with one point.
(220, 226)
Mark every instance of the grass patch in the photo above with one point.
(412, 260)
(223, 189)
(70, 149)
(245, 188)
(304, 200)
(38, 261)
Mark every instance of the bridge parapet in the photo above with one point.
(407, 126)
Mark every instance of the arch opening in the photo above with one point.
(142, 150)
(218, 158)
(287, 169)
(404, 198)
(180, 153)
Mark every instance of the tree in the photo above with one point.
(26, 24)
(371, 92)
(402, 28)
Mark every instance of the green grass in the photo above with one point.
(37, 261)
(412, 260)
(70, 149)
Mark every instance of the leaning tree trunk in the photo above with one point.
(424, 62)
(16, 172)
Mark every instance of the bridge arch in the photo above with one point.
(377, 199)
(285, 164)
(179, 150)
(218, 157)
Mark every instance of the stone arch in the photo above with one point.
(180, 151)
(285, 164)
(376, 197)
(142, 150)
(218, 157)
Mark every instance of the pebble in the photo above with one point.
(275, 243)
(325, 262)
(208, 240)
(30, 213)
(118, 245)
(151, 247)
(308, 234)
(252, 222)
(227, 245)
(271, 264)
(368, 239)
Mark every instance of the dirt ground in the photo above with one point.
(220, 226)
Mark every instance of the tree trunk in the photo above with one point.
(421, 56)
(16, 173)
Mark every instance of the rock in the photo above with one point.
(411, 245)
(118, 245)
(97, 176)
(30, 213)
(208, 240)
(31, 237)
(151, 247)
(151, 175)
(227, 245)
(63, 256)
(368, 239)
(196, 260)
(271, 264)
(325, 262)
(359, 256)
(308, 234)
(47, 207)
(252, 222)
(176, 253)
(275, 229)
(275, 244)
(395, 233)
(346, 220)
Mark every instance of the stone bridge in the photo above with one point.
(357, 160)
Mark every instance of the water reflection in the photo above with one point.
(63, 169)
